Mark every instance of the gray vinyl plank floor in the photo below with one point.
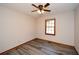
(42, 47)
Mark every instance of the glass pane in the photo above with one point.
(47, 31)
(49, 26)
(52, 32)
(47, 23)
(52, 24)
(52, 21)
(52, 29)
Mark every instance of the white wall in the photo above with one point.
(15, 28)
(77, 29)
(64, 28)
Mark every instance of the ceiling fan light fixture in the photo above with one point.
(40, 11)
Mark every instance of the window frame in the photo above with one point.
(54, 26)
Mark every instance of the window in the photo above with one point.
(50, 26)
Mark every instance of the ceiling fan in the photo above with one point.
(41, 8)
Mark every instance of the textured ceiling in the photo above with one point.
(26, 8)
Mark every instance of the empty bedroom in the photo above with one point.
(39, 28)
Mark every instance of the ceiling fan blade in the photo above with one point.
(47, 10)
(34, 10)
(47, 4)
(34, 5)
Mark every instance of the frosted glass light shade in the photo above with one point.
(40, 12)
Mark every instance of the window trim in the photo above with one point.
(54, 26)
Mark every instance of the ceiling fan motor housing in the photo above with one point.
(40, 7)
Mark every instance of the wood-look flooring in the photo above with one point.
(42, 47)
